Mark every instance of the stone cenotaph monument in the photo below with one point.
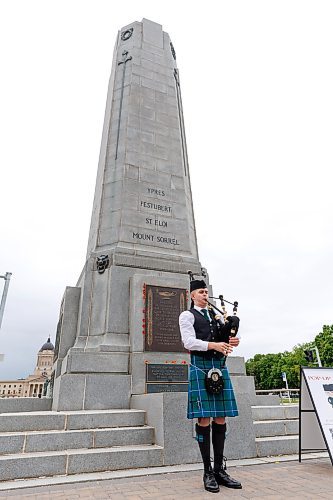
(118, 343)
(142, 237)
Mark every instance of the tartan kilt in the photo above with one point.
(200, 402)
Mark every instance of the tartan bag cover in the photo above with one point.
(200, 402)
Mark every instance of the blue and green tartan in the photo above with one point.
(200, 402)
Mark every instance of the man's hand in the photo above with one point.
(234, 341)
(222, 347)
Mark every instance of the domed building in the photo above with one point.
(33, 385)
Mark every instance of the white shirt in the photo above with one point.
(186, 322)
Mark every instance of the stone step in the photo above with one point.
(30, 442)
(70, 420)
(265, 428)
(267, 400)
(276, 445)
(13, 405)
(32, 465)
(275, 412)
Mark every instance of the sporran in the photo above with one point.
(214, 381)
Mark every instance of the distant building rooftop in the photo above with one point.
(48, 346)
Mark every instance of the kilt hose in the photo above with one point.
(200, 402)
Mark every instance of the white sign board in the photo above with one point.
(316, 410)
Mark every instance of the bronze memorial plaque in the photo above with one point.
(166, 378)
(162, 309)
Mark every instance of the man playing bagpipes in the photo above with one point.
(210, 392)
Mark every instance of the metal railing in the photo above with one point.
(286, 395)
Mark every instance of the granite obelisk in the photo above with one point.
(142, 229)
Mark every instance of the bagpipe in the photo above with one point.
(232, 321)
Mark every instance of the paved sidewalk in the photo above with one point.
(279, 480)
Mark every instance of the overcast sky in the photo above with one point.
(257, 80)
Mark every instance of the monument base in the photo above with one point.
(166, 412)
(106, 363)
(84, 391)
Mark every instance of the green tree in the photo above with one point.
(267, 368)
(324, 342)
(291, 362)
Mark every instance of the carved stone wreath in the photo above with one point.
(126, 34)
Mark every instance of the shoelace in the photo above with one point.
(224, 462)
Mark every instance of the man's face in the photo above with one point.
(200, 297)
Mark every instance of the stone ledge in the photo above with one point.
(28, 465)
(96, 362)
(267, 428)
(12, 405)
(123, 457)
(104, 419)
(70, 420)
(33, 421)
(278, 445)
(52, 463)
(33, 442)
(275, 412)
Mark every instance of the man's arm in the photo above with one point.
(186, 321)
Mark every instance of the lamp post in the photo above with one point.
(310, 357)
(318, 357)
(6, 277)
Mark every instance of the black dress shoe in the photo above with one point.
(210, 483)
(225, 480)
